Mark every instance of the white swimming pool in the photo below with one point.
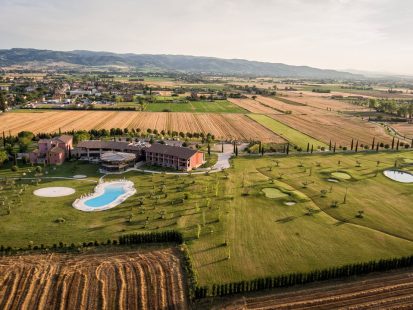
(107, 195)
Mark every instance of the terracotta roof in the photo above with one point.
(56, 149)
(177, 151)
(115, 145)
(64, 138)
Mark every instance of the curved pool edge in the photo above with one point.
(99, 190)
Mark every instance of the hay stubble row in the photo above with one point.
(123, 280)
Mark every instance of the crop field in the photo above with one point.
(392, 290)
(219, 106)
(289, 133)
(310, 118)
(339, 129)
(233, 230)
(321, 102)
(404, 129)
(254, 106)
(139, 279)
(223, 126)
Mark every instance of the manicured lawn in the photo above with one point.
(293, 136)
(234, 232)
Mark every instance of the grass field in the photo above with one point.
(233, 230)
(293, 136)
(218, 106)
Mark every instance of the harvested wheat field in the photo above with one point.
(253, 106)
(405, 129)
(223, 126)
(150, 279)
(339, 129)
(323, 102)
(393, 290)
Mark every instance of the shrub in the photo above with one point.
(14, 168)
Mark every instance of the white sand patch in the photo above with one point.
(54, 191)
(79, 176)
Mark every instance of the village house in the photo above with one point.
(52, 151)
(180, 158)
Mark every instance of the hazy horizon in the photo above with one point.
(367, 35)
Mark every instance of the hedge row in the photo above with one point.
(302, 278)
(153, 237)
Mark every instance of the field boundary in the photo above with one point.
(264, 119)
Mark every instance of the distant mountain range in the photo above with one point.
(171, 63)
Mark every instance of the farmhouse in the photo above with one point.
(180, 158)
(93, 149)
(52, 151)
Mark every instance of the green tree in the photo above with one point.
(3, 101)
(3, 157)
(81, 136)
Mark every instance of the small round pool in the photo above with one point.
(399, 176)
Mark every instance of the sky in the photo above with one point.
(373, 35)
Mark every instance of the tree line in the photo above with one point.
(298, 278)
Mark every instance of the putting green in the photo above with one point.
(341, 175)
(271, 192)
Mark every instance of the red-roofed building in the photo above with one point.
(52, 151)
(181, 158)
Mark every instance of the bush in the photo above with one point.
(38, 169)
(14, 168)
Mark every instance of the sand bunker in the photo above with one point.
(54, 191)
(79, 176)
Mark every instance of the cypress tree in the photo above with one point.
(352, 142)
(392, 144)
(372, 144)
(312, 148)
(329, 147)
(377, 147)
(357, 146)
(288, 148)
(334, 150)
(308, 147)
